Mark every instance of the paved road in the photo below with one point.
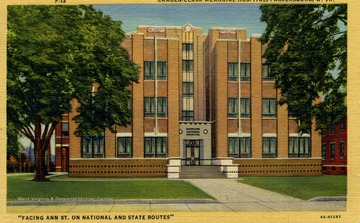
(229, 194)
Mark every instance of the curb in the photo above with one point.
(109, 202)
(339, 198)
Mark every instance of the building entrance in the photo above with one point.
(195, 143)
(192, 152)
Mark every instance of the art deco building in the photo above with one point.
(204, 103)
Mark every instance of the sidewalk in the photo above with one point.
(229, 194)
(241, 197)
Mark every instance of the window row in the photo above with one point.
(341, 126)
(153, 146)
(241, 147)
(237, 147)
(333, 153)
(161, 69)
(269, 106)
(162, 108)
(245, 71)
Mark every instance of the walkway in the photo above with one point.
(236, 196)
(230, 195)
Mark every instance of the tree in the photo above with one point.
(307, 51)
(13, 146)
(55, 55)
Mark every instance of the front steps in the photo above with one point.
(191, 172)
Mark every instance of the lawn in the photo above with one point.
(65, 187)
(301, 187)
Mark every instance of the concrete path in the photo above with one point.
(229, 194)
(235, 196)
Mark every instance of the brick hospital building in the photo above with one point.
(204, 104)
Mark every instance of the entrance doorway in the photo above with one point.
(192, 152)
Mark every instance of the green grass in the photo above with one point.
(301, 187)
(114, 188)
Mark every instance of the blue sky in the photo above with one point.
(201, 15)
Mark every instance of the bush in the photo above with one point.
(13, 165)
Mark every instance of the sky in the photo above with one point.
(200, 15)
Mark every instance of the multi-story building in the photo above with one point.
(334, 148)
(203, 99)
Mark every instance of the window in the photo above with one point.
(342, 150)
(156, 146)
(129, 105)
(64, 126)
(245, 71)
(188, 51)
(162, 70)
(188, 47)
(245, 107)
(342, 124)
(323, 151)
(188, 103)
(239, 146)
(188, 65)
(269, 147)
(149, 70)
(299, 146)
(233, 107)
(65, 129)
(149, 106)
(332, 150)
(124, 145)
(323, 132)
(332, 128)
(162, 107)
(233, 70)
(93, 147)
(266, 72)
(269, 107)
(187, 115)
(188, 88)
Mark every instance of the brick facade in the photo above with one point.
(194, 97)
(334, 145)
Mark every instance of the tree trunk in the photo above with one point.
(39, 149)
(45, 147)
(40, 168)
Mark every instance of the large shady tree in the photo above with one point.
(55, 54)
(307, 52)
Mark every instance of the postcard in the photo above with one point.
(179, 111)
